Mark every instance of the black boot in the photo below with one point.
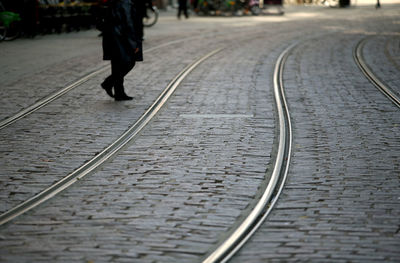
(119, 90)
(107, 88)
(121, 95)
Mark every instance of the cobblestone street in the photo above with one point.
(190, 177)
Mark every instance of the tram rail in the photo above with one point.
(266, 203)
(107, 153)
(380, 85)
(91, 164)
(278, 177)
(57, 94)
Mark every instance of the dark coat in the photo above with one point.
(120, 39)
(141, 6)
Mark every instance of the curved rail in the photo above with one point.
(107, 153)
(55, 95)
(271, 194)
(358, 57)
(46, 100)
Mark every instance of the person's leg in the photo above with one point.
(185, 11)
(119, 71)
(140, 29)
(181, 8)
(108, 84)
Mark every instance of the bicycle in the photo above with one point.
(10, 24)
(151, 16)
(208, 7)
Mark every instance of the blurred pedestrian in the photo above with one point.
(30, 17)
(121, 44)
(182, 8)
(194, 5)
(141, 6)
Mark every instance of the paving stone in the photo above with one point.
(335, 178)
(174, 192)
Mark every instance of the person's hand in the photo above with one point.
(136, 50)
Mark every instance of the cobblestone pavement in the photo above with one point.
(387, 63)
(341, 202)
(176, 191)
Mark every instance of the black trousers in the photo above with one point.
(183, 8)
(118, 72)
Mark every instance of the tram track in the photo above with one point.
(266, 203)
(59, 93)
(371, 76)
(227, 249)
(88, 166)
(132, 242)
(108, 152)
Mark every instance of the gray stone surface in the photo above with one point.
(341, 201)
(176, 191)
(382, 54)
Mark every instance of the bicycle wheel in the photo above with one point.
(151, 17)
(13, 31)
(3, 31)
(3, 28)
(10, 24)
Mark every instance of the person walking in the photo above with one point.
(30, 17)
(182, 8)
(121, 44)
(141, 7)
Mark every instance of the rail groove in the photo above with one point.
(359, 59)
(108, 152)
(55, 95)
(281, 166)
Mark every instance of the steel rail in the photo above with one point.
(55, 95)
(281, 166)
(108, 152)
(49, 98)
(359, 59)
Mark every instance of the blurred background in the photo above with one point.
(31, 17)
